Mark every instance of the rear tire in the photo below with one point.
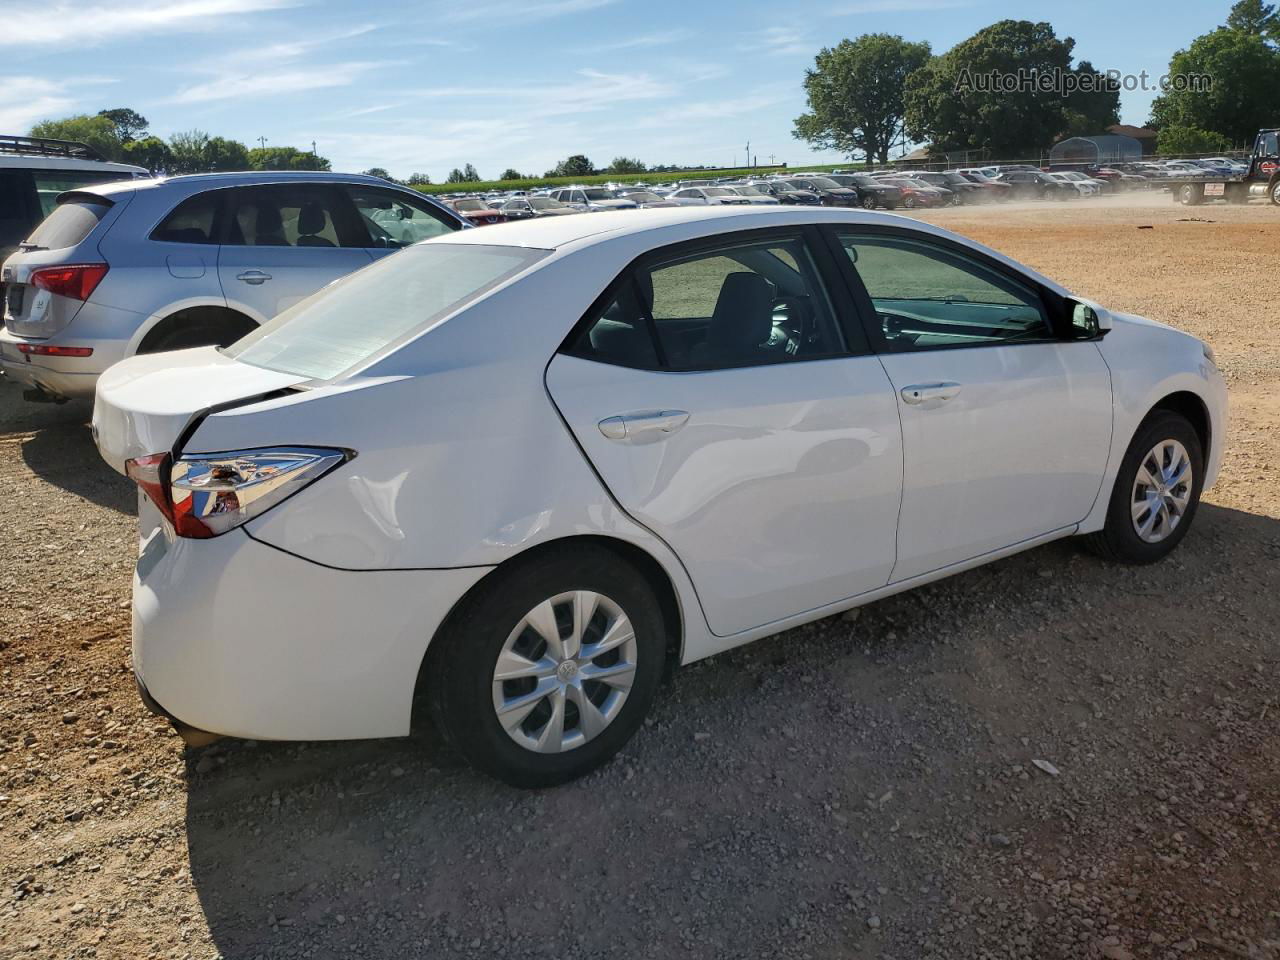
(1122, 539)
(1275, 193)
(1190, 194)
(494, 625)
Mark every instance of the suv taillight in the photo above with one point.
(204, 495)
(75, 280)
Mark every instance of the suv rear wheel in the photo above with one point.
(198, 327)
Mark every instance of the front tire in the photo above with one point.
(1156, 493)
(549, 668)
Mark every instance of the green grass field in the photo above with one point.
(529, 183)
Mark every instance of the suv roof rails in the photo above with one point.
(44, 147)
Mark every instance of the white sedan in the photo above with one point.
(518, 471)
(709, 196)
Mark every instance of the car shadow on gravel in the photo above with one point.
(65, 456)
(827, 793)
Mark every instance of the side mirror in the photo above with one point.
(1088, 322)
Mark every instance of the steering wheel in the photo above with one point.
(799, 323)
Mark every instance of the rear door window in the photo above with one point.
(69, 223)
(292, 215)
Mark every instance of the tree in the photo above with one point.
(1256, 18)
(150, 152)
(285, 158)
(511, 173)
(1094, 105)
(575, 166)
(456, 176)
(625, 165)
(1244, 74)
(1175, 139)
(130, 125)
(96, 132)
(380, 172)
(469, 174)
(196, 152)
(1001, 91)
(855, 91)
(418, 180)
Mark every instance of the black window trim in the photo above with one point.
(1054, 307)
(830, 274)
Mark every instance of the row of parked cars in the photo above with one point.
(885, 189)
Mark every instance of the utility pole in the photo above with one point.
(313, 148)
(262, 142)
(748, 148)
(771, 159)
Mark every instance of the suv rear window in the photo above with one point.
(381, 306)
(70, 222)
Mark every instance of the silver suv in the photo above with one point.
(150, 265)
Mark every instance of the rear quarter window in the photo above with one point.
(69, 223)
(375, 309)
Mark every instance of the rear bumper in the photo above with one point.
(238, 638)
(70, 377)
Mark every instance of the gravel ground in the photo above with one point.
(1049, 757)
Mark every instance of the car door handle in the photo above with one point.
(253, 276)
(919, 393)
(648, 426)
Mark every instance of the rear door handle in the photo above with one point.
(254, 277)
(931, 394)
(643, 426)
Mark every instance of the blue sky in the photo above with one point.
(426, 86)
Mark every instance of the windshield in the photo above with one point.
(469, 205)
(544, 203)
(641, 196)
(598, 194)
(748, 191)
(825, 183)
(717, 192)
(349, 322)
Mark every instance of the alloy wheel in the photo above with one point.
(564, 672)
(1161, 491)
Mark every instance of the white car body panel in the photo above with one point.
(463, 462)
(1017, 453)
(780, 493)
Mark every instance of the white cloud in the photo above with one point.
(778, 42)
(28, 100)
(508, 12)
(594, 90)
(31, 23)
(636, 43)
(900, 6)
(241, 74)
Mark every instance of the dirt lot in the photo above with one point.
(867, 786)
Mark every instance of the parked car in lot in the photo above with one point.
(476, 211)
(915, 193)
(786, 193)
(591, 198)
(526, 208)
(830, 193)
(993, 189)
(648, 436)
(872, 193)
(709, 196)
(1033, 185)
(753, 195)
(1082, 185)
(963, 191)
(34, 171)
(143, 266)
(645, 199)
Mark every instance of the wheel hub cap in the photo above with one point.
(1161, 491)
(564, 672)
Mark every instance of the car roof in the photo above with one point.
(552, 233)
(240, 178)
